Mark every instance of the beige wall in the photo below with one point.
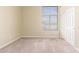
(10, 24)
(77, 27)
(32, 22)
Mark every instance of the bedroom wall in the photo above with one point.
(32, 23)
(77, 26)
(10, 24)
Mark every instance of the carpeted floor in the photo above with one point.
(39, 46)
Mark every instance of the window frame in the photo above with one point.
(49, 29)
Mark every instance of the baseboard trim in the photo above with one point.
(9, 42)
(39, 37)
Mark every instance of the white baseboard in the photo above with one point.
(24, 37)
(9, 42)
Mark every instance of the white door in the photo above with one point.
(69, 17)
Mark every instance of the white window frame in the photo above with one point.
(49, 28)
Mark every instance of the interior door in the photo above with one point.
(69, 22)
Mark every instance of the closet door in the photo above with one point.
(69, 17)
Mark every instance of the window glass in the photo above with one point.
(49, 10)
(46, 20)
(53, 20)
(50, 18)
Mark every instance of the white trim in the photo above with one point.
(9, 42)
(39, 37)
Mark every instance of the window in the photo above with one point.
(50, 14)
